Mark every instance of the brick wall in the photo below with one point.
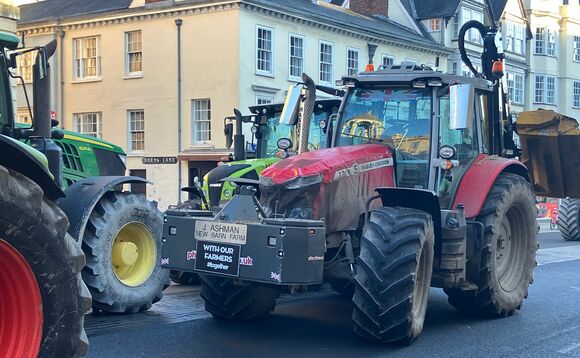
(370, 7)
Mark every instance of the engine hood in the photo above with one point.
(329, 164)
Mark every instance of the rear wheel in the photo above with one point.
(42, 296)
(184, 278)
(508, 251)
(569, 219)
(237, 300)
(393, 275)
(122, 243)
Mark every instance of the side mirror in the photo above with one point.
(291, 105)
(461, 105)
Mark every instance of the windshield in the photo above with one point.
(397, 117)
(271, 132)
(275, 130)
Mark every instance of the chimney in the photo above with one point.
(371, 8)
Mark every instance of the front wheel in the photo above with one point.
(122, 243)
(42, 296)
(393, 275)
(237, 300)
(508, 251)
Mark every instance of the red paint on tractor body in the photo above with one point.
(326, 162)
(478, 179)
(348, 176)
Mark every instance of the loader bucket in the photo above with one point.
(550, 145)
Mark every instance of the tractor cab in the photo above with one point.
(434, 123)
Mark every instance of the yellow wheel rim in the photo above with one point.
(133, 254)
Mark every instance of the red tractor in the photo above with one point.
(420, 188)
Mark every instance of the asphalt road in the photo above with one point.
(317, 324)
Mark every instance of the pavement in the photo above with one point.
(318, 324)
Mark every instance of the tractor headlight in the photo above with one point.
(227, 193)
(301, 182)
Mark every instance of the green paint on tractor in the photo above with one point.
(85, 156)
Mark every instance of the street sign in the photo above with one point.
(159, 160)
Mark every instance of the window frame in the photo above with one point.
(28, 59)
(575, 94)
(356, 69)
(517, 94)
(434, 25)
(387, 57)
(79, 126)
(264, 99)
(201, 142)
(303, 39)
(128, 71)
(78, 68)
(576, 43)
(544, 89)
(130, 131)
(320, 63)
(261, 72)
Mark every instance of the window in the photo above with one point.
(514, 36)
(540, 41)
(201, 121)
(545, 89)
(25, 62)
(456, 26)
(454, 68)
(550, 90)
(577, 48)
(515, 87)
(387, 60)
(264, 99)
(545, 42)
(469, 14)
(134, 56)
(326, 50)
(576, 95)
(352, 61)
(87, 60)
(88, 123)
(136, 120)
(434, 25)
(551, 43)
(264, 51)
(296, 57)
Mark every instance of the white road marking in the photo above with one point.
(570, 348)
(558, 254)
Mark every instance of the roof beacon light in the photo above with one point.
(370, 67)
(497, 68)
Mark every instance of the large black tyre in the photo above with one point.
(118, 218)
(569, 219)
(508, 251)
(37, 229)
(184, 278)
(227, 299)
(393, 275)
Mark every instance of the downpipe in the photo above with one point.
(178, 23)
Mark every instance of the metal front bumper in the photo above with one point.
(278, 251)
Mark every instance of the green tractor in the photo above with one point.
(62, 201)
(267, 129)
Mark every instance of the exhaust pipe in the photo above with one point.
(306, 112)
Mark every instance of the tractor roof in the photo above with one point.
(321, 104)
(404, 75)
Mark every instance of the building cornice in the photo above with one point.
(362, 35)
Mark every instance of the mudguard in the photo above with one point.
(16, 156)
(479, 178)
(82, 196)
(419, 199)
